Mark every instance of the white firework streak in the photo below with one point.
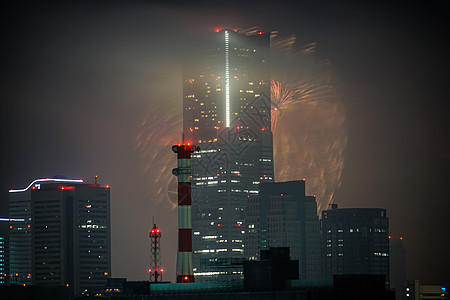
(159, 130)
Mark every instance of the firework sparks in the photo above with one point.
(309, 127)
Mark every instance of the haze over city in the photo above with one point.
(96, 89)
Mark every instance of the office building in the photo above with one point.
(65, 237)
(226, 112)
(282, 216)
(355, 241)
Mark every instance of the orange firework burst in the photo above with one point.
(310, 133)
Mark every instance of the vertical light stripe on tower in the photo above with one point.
(227, 79)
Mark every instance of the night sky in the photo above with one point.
(78, 79)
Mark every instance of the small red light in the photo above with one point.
(218, 174)
(149, 270)
(401, 238)
(190, 129)
(62, 187)
(239, 224)
(186, 278)
(218, 225)
(238, 174)
(263, 129)
(157, 230)
(389, 236)
(217, 29)
(161, 270)
(237, 127)
(107, 186)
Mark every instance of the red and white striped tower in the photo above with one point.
(183, 172)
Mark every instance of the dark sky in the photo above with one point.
(77, 80)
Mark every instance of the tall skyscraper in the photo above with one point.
(282, 216)
(355, 241)
(65, 238)
(226, 112)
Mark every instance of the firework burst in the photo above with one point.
(309, 127)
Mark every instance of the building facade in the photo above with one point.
(355, 241)
(65, 238)
(6, 277)
(282, 216)
(226, 112)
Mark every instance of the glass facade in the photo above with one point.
(65, 238)
(226, 111)
(355, 241)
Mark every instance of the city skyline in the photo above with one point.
(79, 80)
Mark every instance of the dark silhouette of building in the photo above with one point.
(355, 241)
(65, 238)
(282, 216)
(273, 271)
(397, 265)
(226, 112)
(361, 286)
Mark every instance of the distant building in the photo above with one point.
(65, 238)
(397, 265)
(282, 216)
(6, 277)
(227, 113)
(355, 241)
(413, 290)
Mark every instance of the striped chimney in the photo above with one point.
(183, 172)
